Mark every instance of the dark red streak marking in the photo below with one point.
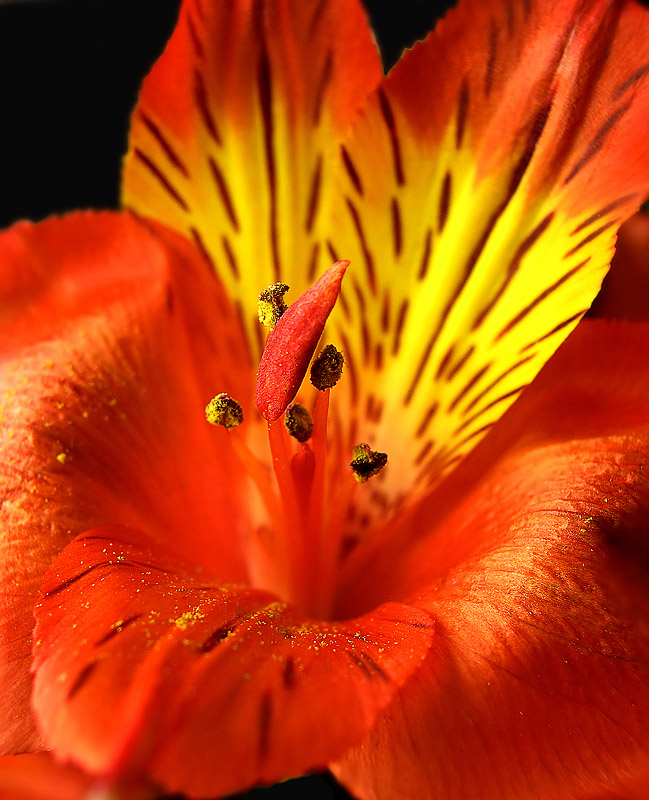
(161, 178)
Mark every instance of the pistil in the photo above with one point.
(306, 527)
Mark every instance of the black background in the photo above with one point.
(69, 75)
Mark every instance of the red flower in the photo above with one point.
(216, 610)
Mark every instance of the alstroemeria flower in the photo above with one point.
(218, 608)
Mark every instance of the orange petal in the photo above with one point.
(144, 666)
(237, 132)
(539, 688)
(481, 189)
(102, 409)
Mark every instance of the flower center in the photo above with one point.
(298, 558)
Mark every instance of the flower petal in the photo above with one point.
(105, 323)
(143, 666)
(38, 777)
(480, 191)
(234, 137)
(594, 386)
(539, 688)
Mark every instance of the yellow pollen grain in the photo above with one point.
(188, 618)
(62, 458)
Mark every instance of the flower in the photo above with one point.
(220, 607)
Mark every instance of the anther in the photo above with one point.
(224, 410)
(298, 422)
(271, 304)
(366, 462)
(327, 368)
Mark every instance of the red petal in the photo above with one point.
(625, 291)
(142, 666)
(292, 341)
(567, 79)
(102, 409)
(39, 777)
(539, 688)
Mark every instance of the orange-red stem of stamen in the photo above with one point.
(310, 528)
(292, 521)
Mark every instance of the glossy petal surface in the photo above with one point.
(480, 193)
(38, 777)
(237, 133)
(102, 412)
(476, 244)
(593, 387)
(142, 665)
(538, 584)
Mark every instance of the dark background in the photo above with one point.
(69, 75)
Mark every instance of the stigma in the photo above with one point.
(292, 341)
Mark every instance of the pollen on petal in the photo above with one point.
(291, 343)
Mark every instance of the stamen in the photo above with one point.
(303, 469)
(291, 343)
(327, 368)
(298, 422)
(271, 304)
(224, 410)
(291, 508)
(319, 445)
(366, 462)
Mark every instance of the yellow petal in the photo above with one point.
(234, 139)
(481, 191)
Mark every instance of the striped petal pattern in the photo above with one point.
(481, 191)
(477, 195)
(233, 142)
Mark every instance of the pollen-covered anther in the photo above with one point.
(327, 368)
(298, 422)
(366, 462)
(224, 410)
(271, 304)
